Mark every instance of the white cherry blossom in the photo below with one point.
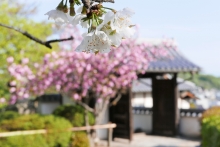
(58, 16)
(111, 27)
(123, 23)
(113, 35)
(78, 19)
(117, 26)
(95, 42)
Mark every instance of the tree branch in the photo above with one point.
(85, 106)
(113, 103)
(28, 35)
(101, 1)
(87, 3)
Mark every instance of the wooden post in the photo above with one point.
(109, 136)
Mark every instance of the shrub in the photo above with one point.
(24, 141)
(24, 122)
(8, 115)
(79, 139)
(214, 111)
(75, 114)
(211, 127)
(57, 128)
(57, 135)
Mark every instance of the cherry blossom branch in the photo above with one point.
(85, 106)
(28, 35)
(101, 1)
(87, 3)
(47, 43)
(106, 105)
(113, 103)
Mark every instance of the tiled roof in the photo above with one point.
(175, 62)
(144, 85)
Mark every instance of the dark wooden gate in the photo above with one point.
(121, 114)
(165, 111)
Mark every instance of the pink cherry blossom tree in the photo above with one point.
(82, 75)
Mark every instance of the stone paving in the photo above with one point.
(143, 140)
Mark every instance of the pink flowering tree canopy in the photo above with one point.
(83, 75)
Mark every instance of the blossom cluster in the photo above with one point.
(105, 29)
(2, 100)
(78, 74)
(22, 74)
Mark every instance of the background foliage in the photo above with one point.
(15, 44)
(211, 127)
(205, 81)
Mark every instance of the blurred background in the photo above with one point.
(194, 26)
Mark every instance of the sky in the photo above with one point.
(194, 24)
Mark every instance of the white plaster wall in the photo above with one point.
(148, 102)
(183, 104)
(141, 99)
(190, 126)
(103, 133)
(67, 100)
(143, 122)
(47, 107)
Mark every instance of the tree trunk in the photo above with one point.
(98, 120)
(86, 117)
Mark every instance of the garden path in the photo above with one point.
(142, 140)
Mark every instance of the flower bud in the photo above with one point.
(93, 27)
(60, 6)
(72, 10)
(84, 10)
(65, 9)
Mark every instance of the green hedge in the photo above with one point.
(211, 128)
(214, 111)
(55, 124)
(57, 135)
(75, 114)
(8, 115)
(79, 139)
